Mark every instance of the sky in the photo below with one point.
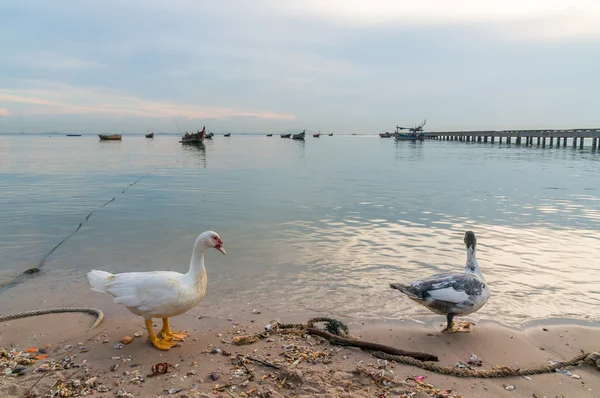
(341, 66)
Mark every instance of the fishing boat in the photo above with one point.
(299, 136)
(195, 138)
(151, 135)
(269, 135)
(227, 135)
(73, 135)
(331, 134)
(209, 136)
(317, 135)
(415, 133)
(110, 137)
(286, 135)
(385, 135)
(409, 137)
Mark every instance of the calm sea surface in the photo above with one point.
(322, 225)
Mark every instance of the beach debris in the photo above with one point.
(214, 376)
(462, 365)
(124, 394)
(527, 377)
(508, 388)
(564, 371)
(266, 363)
(256, 311)
(473, 360)
(138, 334)
(126, 339)
(296, 354)
(119, 346)
(91, 382)
(420, 378)
(160, 368)
(174, 390)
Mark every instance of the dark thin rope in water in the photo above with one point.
(35, 270)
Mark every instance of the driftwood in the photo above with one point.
(365, 345)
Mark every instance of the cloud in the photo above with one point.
(51, 60)
(537, 19)
(61, 99)
(4, 112)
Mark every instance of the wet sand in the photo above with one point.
(330, 371)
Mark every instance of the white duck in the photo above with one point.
(450, 294)
(160, 294)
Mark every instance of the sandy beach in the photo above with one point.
(208, 365)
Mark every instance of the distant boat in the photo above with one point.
(385, 135)
(110, 137)
(331, 135)
(286, 135)
(209, 136)
(317, 135)
(227, 135)
(269, 135)
(299, 136)
(73, 135)
(151, 135)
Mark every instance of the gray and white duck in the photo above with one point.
(452, 293)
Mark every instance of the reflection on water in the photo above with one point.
(409, 150)
(197, 154)
(320, 225)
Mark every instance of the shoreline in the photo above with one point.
(495, 344)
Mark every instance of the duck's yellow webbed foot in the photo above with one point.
(168, 335)
(459, 327)
(161, 344)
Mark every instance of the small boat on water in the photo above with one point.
(227, 135)
(151, 135)
(331, 134)
(286, 135)
(73, 135)
(299, 136)
(195, 138)
(317, 135)
(110, 137)
(385, 135)
(209, 136)
(269, 135)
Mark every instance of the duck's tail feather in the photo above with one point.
(410, 290)
(98, 280)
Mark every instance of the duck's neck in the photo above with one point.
(197, 268)
(472, 265)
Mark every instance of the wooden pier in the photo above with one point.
(540, 137)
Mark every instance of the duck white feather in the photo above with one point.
(160, 294)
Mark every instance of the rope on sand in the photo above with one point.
(92, 311)
(336, 329)
(592, 358)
